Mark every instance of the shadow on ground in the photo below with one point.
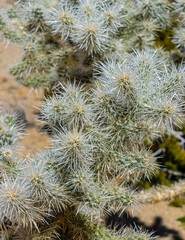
(157, 227)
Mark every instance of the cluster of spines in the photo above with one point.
(95, 29)
(100, 146)
(135, 96)
(32, 190)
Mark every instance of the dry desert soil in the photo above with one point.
(158, 217)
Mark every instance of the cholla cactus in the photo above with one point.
(108, 102)
(63, 39)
